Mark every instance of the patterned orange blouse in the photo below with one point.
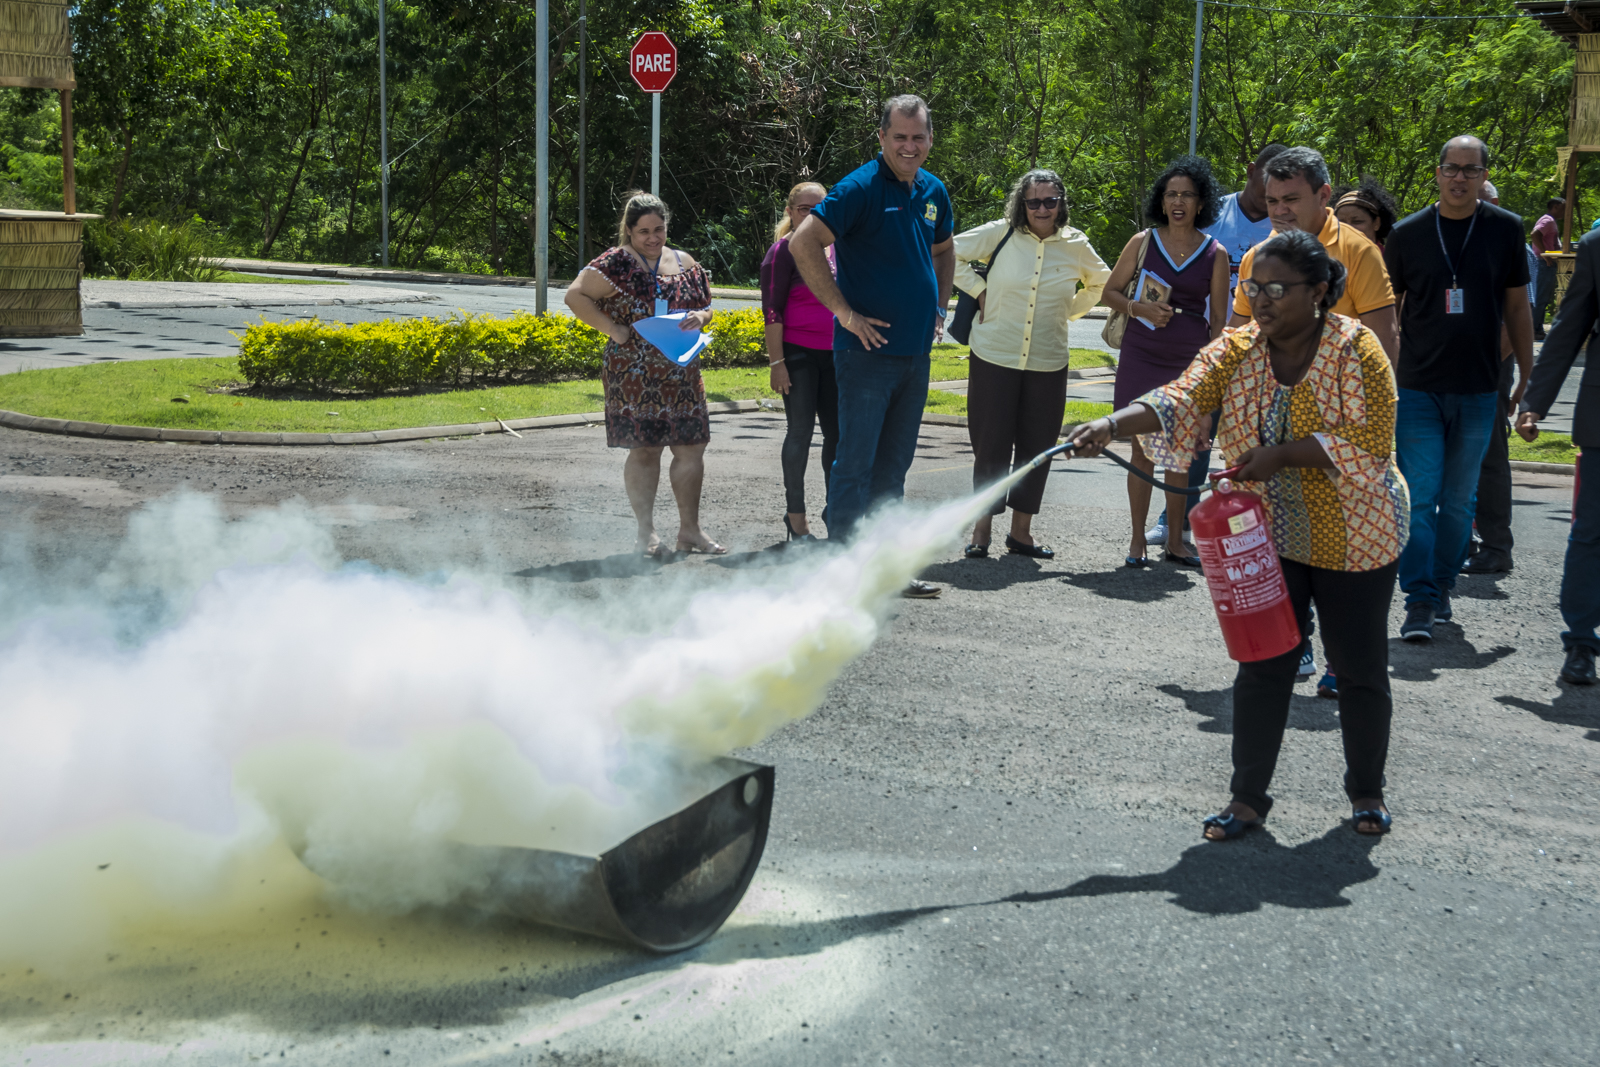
(1355, 517)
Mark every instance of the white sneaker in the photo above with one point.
(1308, 666)
(1156, 535)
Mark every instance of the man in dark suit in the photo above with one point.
(1580, 578)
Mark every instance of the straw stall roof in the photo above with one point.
(40, 231)
(36, 45)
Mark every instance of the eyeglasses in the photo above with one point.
(1274, 290)
(1456, 170)
(1176, 196)
(1046, 202)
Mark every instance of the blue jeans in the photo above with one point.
(880, 412)
(1440, 440)
(1580, 578)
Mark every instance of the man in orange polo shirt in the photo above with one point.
(1297, 199)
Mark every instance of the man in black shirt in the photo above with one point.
(1459, 269)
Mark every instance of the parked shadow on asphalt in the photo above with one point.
(1449, 650)
(988, 574)
(1571, 707)
(1139, 586)
(1238, 877)
(1310, 713)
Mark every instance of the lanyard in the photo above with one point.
(1440, 228)
(655, 283)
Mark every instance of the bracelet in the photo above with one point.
(1112, 420)
(775, 362)
(851, 319)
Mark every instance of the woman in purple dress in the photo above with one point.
(1163, 335)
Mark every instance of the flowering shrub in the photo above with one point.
(381, 357)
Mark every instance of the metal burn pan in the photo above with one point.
(667, 888)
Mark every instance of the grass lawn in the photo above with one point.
(146, 392)
(955, 404)
(273, 279)
(950, 361)
(1549, 448)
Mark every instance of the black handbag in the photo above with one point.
(960, 326)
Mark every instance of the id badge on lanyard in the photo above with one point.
(1455, 296)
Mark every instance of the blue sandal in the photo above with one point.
(1136, 562)
(1232, 826)
(1382, 818)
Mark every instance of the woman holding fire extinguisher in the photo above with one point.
(1308, 405)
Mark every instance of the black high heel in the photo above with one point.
(787, 525)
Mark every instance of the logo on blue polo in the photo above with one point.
(931, 214)
(889, 209)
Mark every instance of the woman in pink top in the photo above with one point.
(800, 352)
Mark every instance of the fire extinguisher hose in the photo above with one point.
(1044, 457)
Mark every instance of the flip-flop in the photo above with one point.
(1136, 562)
(1232, 826)
(976, 552)
(1382, 818)
(1017, 548)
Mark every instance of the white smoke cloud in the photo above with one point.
(228, 688)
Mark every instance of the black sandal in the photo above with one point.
(1190, 561)
(1017, 548)
(976, 552)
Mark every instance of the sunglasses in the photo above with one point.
(1048, 202)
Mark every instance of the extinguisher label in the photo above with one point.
(1242, 522)
(1234, 545)
(1243, 576)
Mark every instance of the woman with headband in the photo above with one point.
(1367, 207)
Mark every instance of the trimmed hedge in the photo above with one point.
(388, 356)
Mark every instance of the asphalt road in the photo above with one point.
(985, 846)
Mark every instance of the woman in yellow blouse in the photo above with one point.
(1017, 376)
(1308, 401)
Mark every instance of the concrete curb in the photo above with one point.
(1530, 467)
(72, 428)
(425, 277)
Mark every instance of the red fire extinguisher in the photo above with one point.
(1243, 575)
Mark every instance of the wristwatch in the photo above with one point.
(942, 312)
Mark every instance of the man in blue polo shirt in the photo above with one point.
(890, 225)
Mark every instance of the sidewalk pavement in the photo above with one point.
(102, 293)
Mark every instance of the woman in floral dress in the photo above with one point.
(651, 402)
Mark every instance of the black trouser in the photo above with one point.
(1354, 606)
(813, 397)
(1544, 291)
(1493, 509)
(1012, 416)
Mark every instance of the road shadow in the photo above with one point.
(988, 574)
(1480, 587)
(621, 565)
(1309, 713)
(1238, 877)
(1449, 650)
(1136, 585)
(1571, 707)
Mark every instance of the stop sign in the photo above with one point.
(653, 62)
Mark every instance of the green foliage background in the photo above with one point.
(261, 118)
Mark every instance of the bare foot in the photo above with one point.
(1242, 812)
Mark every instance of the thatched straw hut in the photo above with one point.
(41, 252)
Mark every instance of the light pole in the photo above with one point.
(383, 130)
(1194, 87)
(541, 135)
(583, 131)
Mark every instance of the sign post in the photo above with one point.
(653, 62)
